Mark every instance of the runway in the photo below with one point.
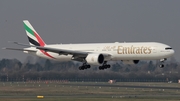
(127, 86)
(90, 90)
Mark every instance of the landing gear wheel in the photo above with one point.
(84, 66)
(88, 66)
(104, 66)
(108, 66)
(101, 68)
(161, 65)
(80, 68)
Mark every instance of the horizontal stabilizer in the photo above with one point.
(22, 44)
(18, 49)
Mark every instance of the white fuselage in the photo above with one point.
(118, 51)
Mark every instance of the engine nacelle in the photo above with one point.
(130, 61)
(95, 59)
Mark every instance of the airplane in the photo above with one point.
(97, 54)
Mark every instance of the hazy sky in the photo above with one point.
(83, 21)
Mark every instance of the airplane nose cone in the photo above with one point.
(172, 52)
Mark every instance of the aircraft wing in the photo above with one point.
(78, 55)
(62, 51)
(66, 52)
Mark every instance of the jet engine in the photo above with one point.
(130, 61)
(95, 59)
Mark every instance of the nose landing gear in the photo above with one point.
(161, 65)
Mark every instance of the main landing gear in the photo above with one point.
(161, 65)
(104, 66)
(84, 66)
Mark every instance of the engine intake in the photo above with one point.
(95, 59)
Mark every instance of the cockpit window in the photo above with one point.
(168, 48)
